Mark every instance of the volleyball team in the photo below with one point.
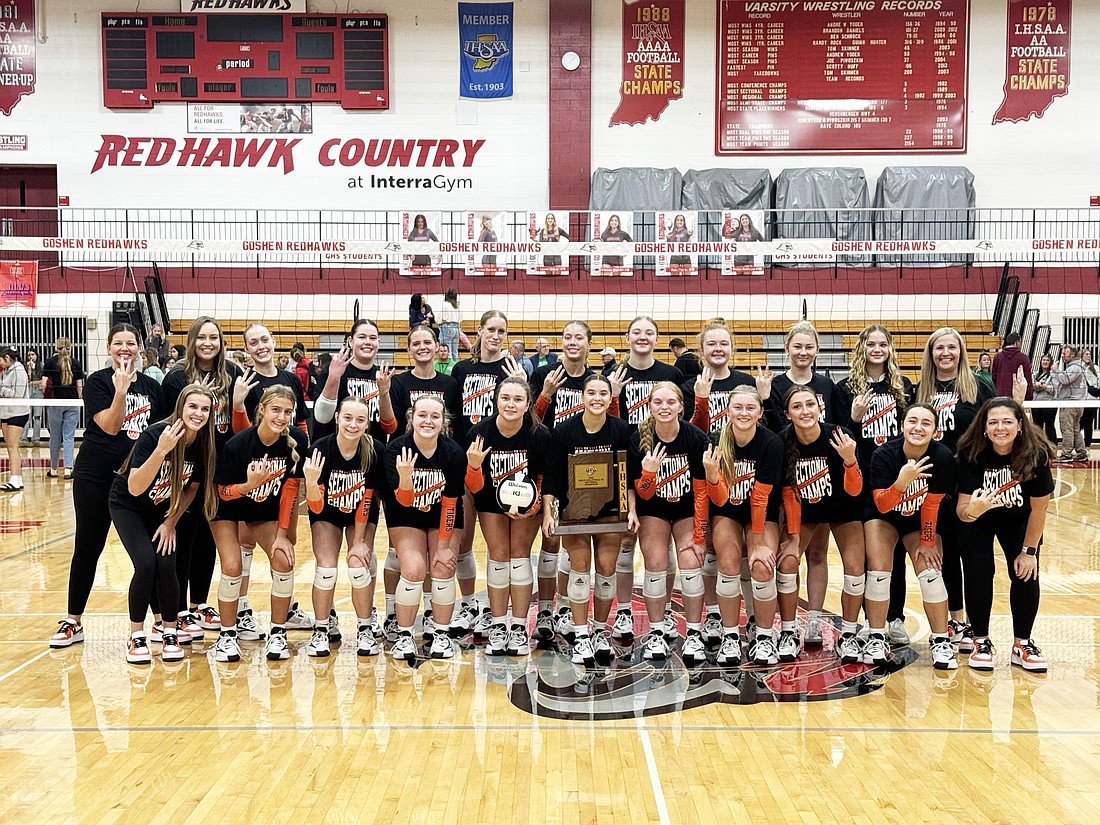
(732, 479)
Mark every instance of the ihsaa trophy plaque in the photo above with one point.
(597, 501)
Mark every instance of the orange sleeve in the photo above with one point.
(303, 425)
(719, 491)
(241, 421)
(475, 479)
(853, 480)
(702, 510)
(228, 492)
(405, 497)
(318, 506)
(929, 512)
(389, 425)
(447, 518)
(613, 407)
(887, 498)
(542, 404)
(362, 512)
(701, 417)
(758, 505)
(646, 485)
(287, 498)
(793, 507)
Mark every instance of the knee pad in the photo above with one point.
(786, 582)
(229, 588)
(360, 577)
(444, 591)
(496, 574)
(624, 562)
(710, 564)
(878, 585)
(393, 564)
(653, 584)
(563, 563)
(855, 585)
(691, 582)
(728, 587)
(578, 586)
(325, 578)
(932, 588)
(466, 567)
(521, 572)
(548, 564)
(282, 584)
(605, 587)
(764, 591)
(246, 560)
(408, 593)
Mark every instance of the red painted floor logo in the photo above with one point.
(13, 528)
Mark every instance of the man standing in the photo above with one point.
(543, 356)
(516, 349)
(1068, 379)
(607, 355)
(1007, 362)
(687, 361)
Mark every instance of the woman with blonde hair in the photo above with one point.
(62, 378)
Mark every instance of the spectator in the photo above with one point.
(1092, 382)
(516, 350)
(444, 363)
(607, 355)
(1069, 383)
(984, 370)
(420, 312)
(450, 323)
(543, 356)
(1005, 365)
(304, 369)
(33, 433)
(687, 362)
(283, 362)
(152, 365)
(1044, 391)
(158, 342)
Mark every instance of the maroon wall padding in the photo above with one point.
(570, 105)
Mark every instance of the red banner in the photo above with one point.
(653, 60)
(18, 284)
(1036, 57)
(17, 73)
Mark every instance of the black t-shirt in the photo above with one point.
(761, 460)
(682, 464)
(566, 400)
(287, 379)
(571, 438)
(52, 370)
(522, 457)
(993, 473)
(634, 399)
(343, 484)
(360, 383)
(154, 502)
(719, 398)
(405, 388)
(883, 418)
(176, 380)
(954, 415)
(102, 454)
(819, 476)
(441, 475)
(261, 504)
(887, 463)
(688, 364)
(827, 398)
(477, 383)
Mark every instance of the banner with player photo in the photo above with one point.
(675, 228)
(612, 227)
(486, 228)
(19, 284)
(543, 228)
(485, 37)
(743, 227)
(420, 226)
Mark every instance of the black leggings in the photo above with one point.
(195, 557)
(93, 522)
(1023, 596)
(1044, 417)
(897, 584)
(152, 571)
(950, 528)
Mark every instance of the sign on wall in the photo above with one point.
(1036, 57)
(17, 52)
(653, 60)
(249, 118)
(485, 37)
(242, 6)
(18, 284)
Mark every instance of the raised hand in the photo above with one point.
(703, 382)
(313, 467)
(710, 462)
(860, 405)
(170, 436)
(383, 377)
(764, 377)
(554, 379)
(843, 444)
(257, 472)
(512, 367)
(405, 463)
(475, 455)
(983, 500)
(913, 470)
(652, 461)
(339, 362)
(124, 375)
(245, 383)
(618, 380)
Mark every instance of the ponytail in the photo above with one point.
(64, 349)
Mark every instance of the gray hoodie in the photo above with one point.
(1069, 382)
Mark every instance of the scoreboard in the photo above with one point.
(226, 58)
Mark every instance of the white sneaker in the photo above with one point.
(318, 643)
(137, 651)
(441, 647)
(563, 624)
(583, 653)
(226, 648)
(623, 629)
(464, 619)
(544, 625)
(849, 649)
(943, 654)
(156, 634)
(601, 647)
(366, 643)
(813, 631)
(750, 630)
(170, 650)
(763, 652)
(297, 619)
(248, 629)
(875, 650)
(276, 647)
(788, 647)
(896, 633)
(656, 647)
(333, 627)
(208, 617)
(404, 648)
(390, 629)
(483, 622)
(695, 650)
(671, 628)
(375, 625)
(730, 651)
(428, 625)
(518, 643)
(712, 629)
(498, 641)
(188, 625)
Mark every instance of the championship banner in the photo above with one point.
(17, 72)
(653, 60)
(485, 37)
(18, 284)
(1036, 57)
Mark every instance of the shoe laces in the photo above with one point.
(1030, 648)
(67, 625)
(984, 647)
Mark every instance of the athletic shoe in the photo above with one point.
(563, 624)
(334, 634)
(483, 622)
(391, 631)
(848, 649)
(207, 617)
(943, 654)
(68, 633)
(375, 625)
(695, 649)
(404, 648)
(623, 628)
(156, 634)
(1081, 455)
(583, 652)
(188, 624)
(656, 647)
(318, 643)
(427, 624)
(137, 653)
(463, 620)
(544, 626)
(712, 629)
(750, 629)
(170, 650)
(669, 624)
(248, 629)
(961, 635)
(441, 647)
(982, 656)
(763, 652)
(788, 647)
(601, 647)
(813, 631)
(729, 654)
(518, 643)
(226, 648)
(498, 641)
(875, 650)
(897, 633)
(366, 643)
(296, 619)
(276, 647)
(1029, 657)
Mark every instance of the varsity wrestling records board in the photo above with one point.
(841, 76)
(228, 58)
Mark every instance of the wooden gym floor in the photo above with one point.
(85, 737)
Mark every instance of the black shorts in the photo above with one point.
(903, 524)
(15, 421)
(345, 520)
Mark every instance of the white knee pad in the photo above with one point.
(764, 591)
(229, 588)
(578, 586)
(360, 577)
(282, 584)
(408, 593)
(444, 591)
(466, 567)
(496, 574)
(855, 585)
(878, 586)
(710, 564)
(548, 564)
(605, 587)
(624, 562)
(728, 587)
(786, 582)
(691, 582)
(246, 560)
(393, 564)
(563, 563)
(521, 572)
(653, 584)
(325, 578)
(932, 588)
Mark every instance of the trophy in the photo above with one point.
(597, 501)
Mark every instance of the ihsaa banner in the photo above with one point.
(485, 35)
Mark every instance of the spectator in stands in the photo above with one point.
(444, 363)
(1092, 382)
(158, 342)
(1044, 391)
(1007, 363)
(984, 370)
(303, 368)
(543, 356)
(152, 365)
(687, 361)
(1068, 378)
(420, 312)
(516, 350)
(177, 352)
(283, 362)
(607, 356)
(450, 323)
(240, 357)
(33, 431)
(62, 378)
